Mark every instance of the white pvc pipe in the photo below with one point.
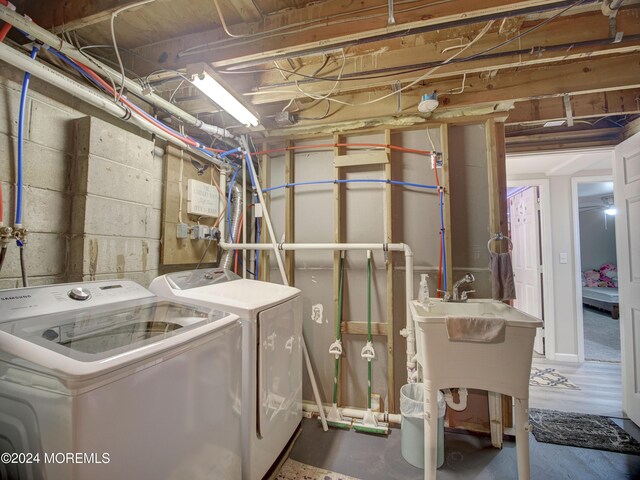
(266, 216)
(314, 386)
(462, 399)
(48, 38)
(245, 210)
(55, 78)
(409, 330)
(395, 418)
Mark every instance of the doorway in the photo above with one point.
(598, 271)
(596, 265)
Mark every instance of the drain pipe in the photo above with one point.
(409, 331)
(57, 79)
(48, 38)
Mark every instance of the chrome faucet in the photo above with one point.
(468, 278)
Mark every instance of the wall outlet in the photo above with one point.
(199, 232)
(564, 257)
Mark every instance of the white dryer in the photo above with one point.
(271, 316)
(103, 380)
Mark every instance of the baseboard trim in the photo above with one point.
(566, 357)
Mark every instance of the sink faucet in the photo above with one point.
(468, 278)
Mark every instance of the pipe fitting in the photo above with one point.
(462, 399)
(20, 234)
(6, 234)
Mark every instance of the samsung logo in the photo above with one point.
(18, 297)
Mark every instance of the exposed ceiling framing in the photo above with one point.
(299, 56)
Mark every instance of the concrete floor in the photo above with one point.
(370, 457)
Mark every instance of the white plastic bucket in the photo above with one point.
(412, 410)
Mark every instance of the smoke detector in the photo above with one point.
(428, 103)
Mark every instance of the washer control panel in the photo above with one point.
(200, 278)
(79, 293)
(20, 303)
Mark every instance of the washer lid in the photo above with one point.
(92, 340)
(243, 297)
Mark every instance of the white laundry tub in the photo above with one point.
(498, 367)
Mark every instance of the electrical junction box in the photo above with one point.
(202, 199)
(199, 232)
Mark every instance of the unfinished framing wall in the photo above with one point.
(378, 213)
(359, 212)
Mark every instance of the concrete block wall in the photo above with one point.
(48, 153)
(115, 226)
(93, 189)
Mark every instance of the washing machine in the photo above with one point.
(271, 316)
(104, 380)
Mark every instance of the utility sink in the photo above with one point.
(502, 366)
(437, 311)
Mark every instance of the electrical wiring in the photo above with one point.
(100, 83)
(356, 77)
(300, 27)
(326, 114)
(115, 44)
(482, 32)
(224, 24)
(335, 85)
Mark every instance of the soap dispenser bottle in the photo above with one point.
(423, 291)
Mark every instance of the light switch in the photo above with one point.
(564, 258)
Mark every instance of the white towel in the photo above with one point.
(476, 329)
(502, 284)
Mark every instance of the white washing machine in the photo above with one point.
(104, 380)
(271, 315)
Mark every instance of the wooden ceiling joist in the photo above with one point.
(69, 15)
(331, 19)
(588, 76)
(561, 40)
(588, 106)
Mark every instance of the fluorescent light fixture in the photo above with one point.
(213, 89)
(554, 123)
(611, 211)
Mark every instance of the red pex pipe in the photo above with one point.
(7, 26)
(141, 112)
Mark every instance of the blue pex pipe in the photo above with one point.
(229, 152)
(23, 104)
(355, 180)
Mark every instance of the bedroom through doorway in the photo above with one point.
(598, 295)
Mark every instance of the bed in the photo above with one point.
(603, 298)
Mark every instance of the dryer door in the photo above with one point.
(280, 368)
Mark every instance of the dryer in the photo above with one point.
(271, 316)
(103, 380)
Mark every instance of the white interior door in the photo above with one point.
(627, 199)
(525, 234)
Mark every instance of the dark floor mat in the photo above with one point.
(581, 430)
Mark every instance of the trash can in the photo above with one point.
(412, 430)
